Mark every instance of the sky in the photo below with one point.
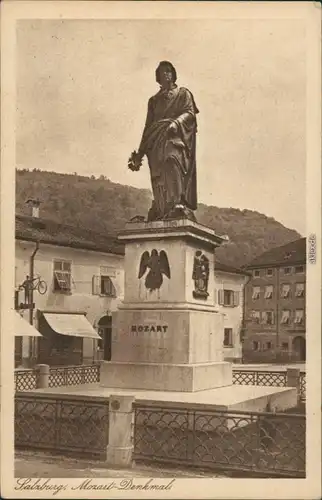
(83, 88)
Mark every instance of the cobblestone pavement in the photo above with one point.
(35, 464)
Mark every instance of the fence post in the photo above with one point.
(120, 447)
(293, 380)
(42, 376)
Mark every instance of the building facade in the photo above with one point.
(81, 278)
(78, 281)
(229, 292)
(274, 322)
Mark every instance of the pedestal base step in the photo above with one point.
(166, 377)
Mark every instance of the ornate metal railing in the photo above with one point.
(260, 444)
(61, 424)
(303, 386)
(26, 380)
(74, 375)
(267, 378)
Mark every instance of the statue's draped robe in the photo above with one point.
(171, 155)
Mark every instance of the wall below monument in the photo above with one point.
(167, 336)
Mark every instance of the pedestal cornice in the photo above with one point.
(182, 228)
(159, 306)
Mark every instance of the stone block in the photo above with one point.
(180, 240)
(165, 377)
(167, 336)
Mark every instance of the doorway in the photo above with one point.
(105, 332)
(299, 347)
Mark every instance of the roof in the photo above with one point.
(289, 254)
(54, 233)
(219, 266)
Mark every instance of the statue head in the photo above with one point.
(165, 66)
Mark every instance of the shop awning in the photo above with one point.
(75, 325)
(23, 328)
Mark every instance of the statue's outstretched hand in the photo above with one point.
(135, 161)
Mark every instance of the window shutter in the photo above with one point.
(96, 285)
(236, 299)
(215, 295)
(220, 297)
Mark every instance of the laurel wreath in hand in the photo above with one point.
(135, 161)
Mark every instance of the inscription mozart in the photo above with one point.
(149, 328)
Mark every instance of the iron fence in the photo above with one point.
(26, 380)
(74, 375)
(267, 378)
(262, 444)
(61, 424)
(303, 386)
(253, 377)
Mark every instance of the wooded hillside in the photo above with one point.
(104, 206)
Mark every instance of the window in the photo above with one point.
(286, 315)
(268, 346)
(107, 287)
(103, 285)
(268, 317)
(255, 345)
(256, 273)
(228, 337)
(256, 292)
(285, 291)
(62, 343)
(268, 292)
(299, 316)
(255, 316)
(285, 346)
(228, 298)
(287, 270)
(62, 276)
(299, 269)
(269, 272)
(299, 289)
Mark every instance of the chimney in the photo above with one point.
(34, 204)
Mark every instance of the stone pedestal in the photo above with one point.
(167, 334)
